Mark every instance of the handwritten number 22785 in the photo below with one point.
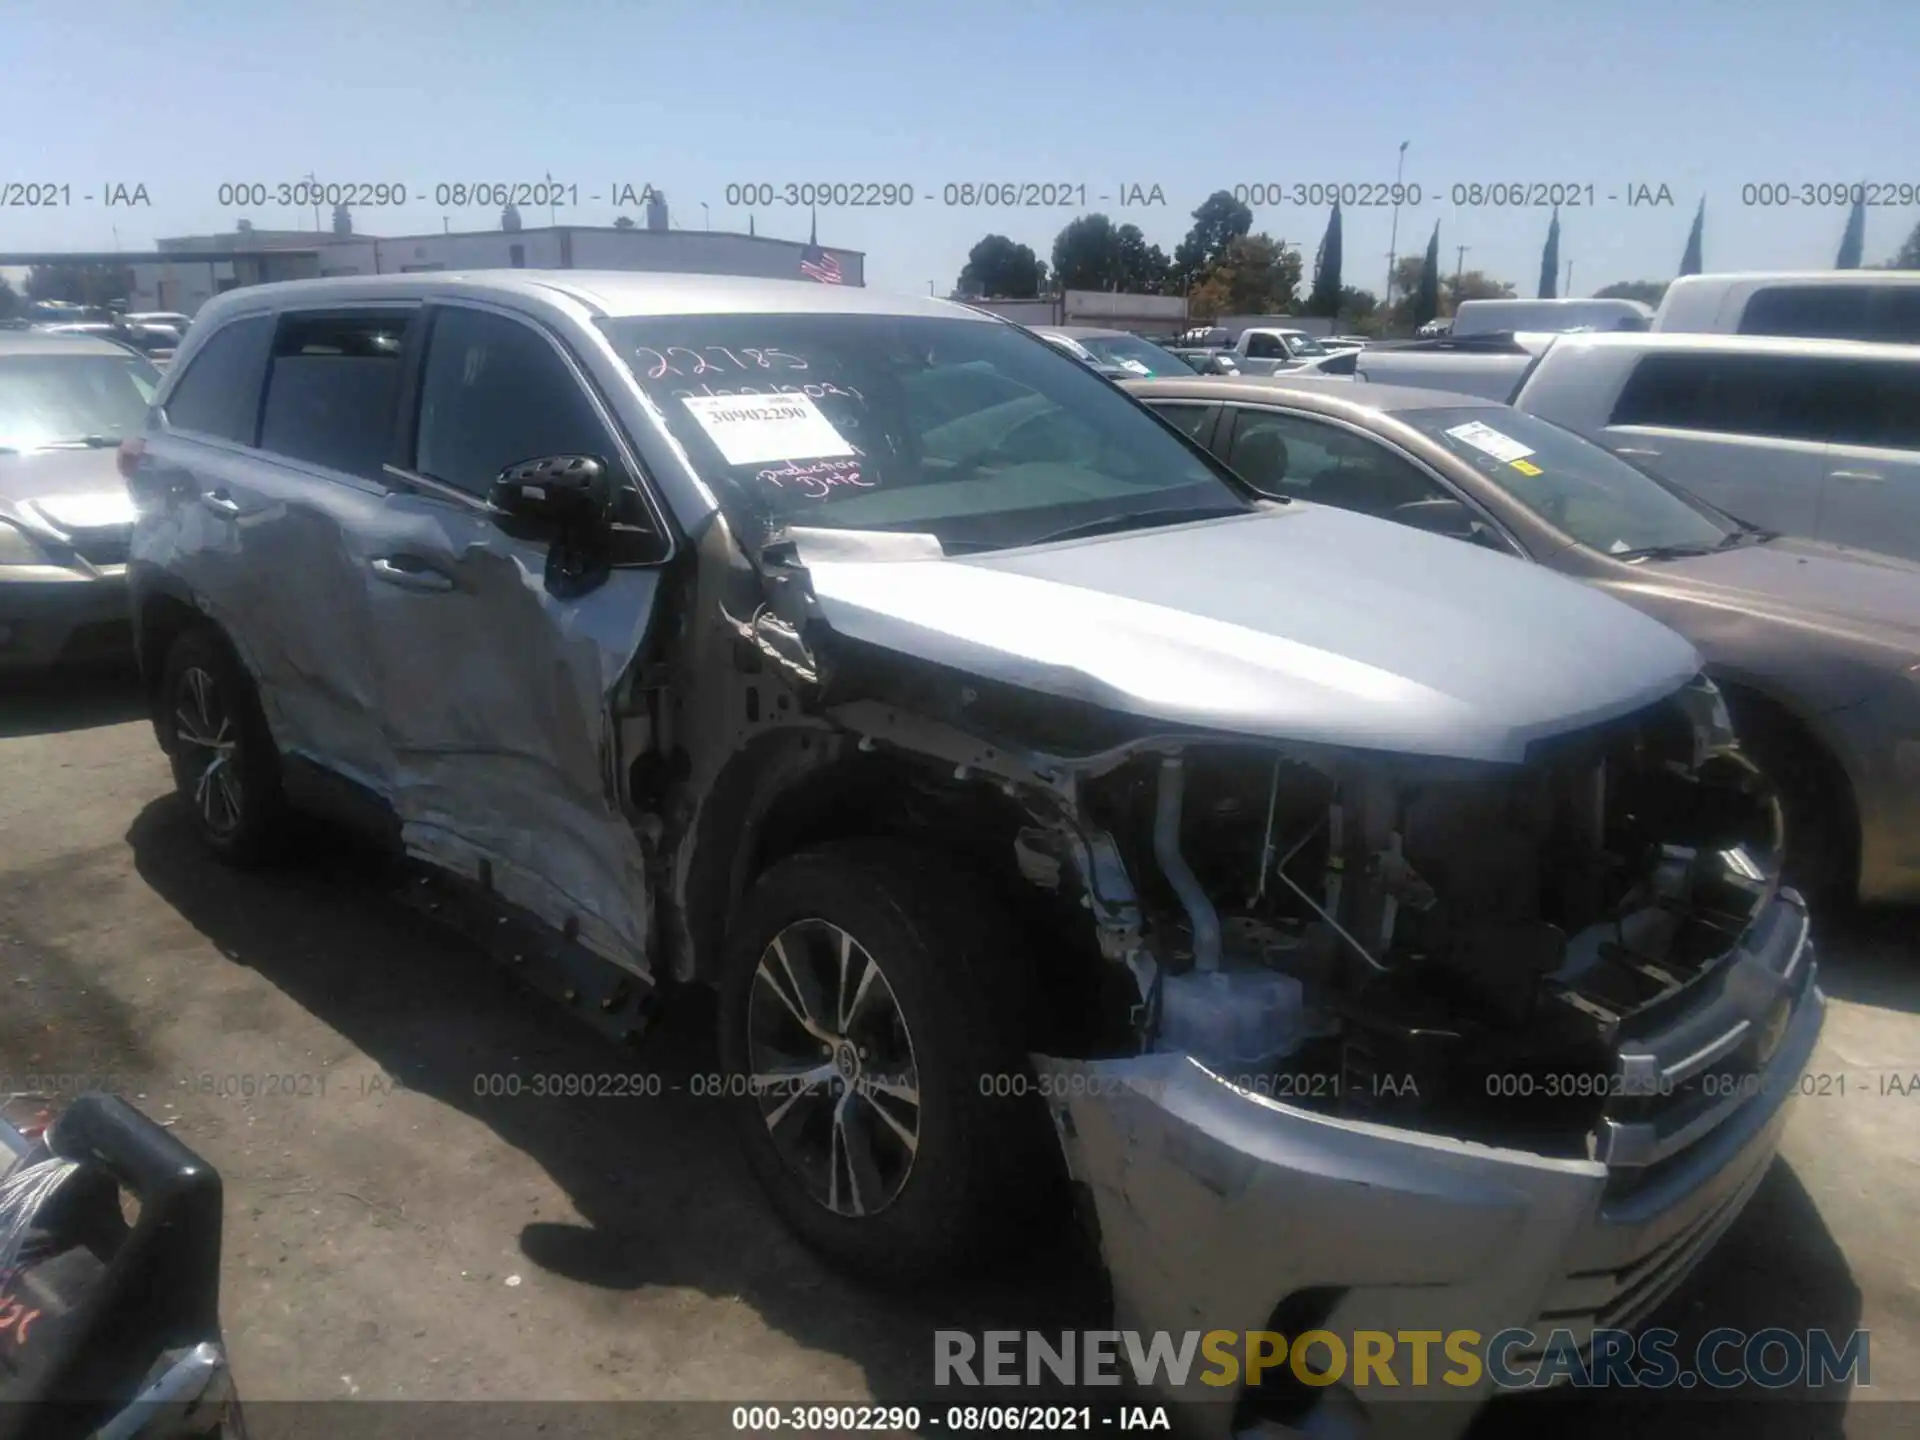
(681, 361)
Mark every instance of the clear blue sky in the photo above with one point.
(1702, 96)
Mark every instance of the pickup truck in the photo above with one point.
(1265, 351)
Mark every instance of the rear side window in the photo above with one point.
(1265, 347)
(1776, 396)
(219, 395)
(332, 390)
(1881, 408)
(1192, 419)
(1829, 312)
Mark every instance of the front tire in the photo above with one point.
(874, 1069)
(224, 763)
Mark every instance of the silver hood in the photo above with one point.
(1308, 623)
(64, 489)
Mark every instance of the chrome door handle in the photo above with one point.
(412, 577)
(219, 500)
(1868, 476)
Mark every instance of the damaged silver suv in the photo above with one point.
(1372, 932)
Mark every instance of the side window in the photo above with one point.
(1306, 459)
(1265, 347)
(332, 389)
(494, 393)
(1880, 408)
(1894, 315)
(1190, 418)
(1829, 312)
(219, 394)
(1775, 396)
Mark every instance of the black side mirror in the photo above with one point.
(553, 495)
(1443, 515)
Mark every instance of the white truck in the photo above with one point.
(1269, 350)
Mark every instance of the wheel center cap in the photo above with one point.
(846, 1060)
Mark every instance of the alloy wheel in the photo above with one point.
(833, 1068)
(203, 725)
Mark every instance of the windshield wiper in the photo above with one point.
(1665, 552)
(1744, 534)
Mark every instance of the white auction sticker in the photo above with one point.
(754, 429)
(1490, 441)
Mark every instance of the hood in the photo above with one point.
(1803, 582)
(1307, 623)
(64, 490)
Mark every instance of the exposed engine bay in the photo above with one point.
(1451, 945)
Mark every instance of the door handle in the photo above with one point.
(1866, 476)
(219, 500)
(411, 574)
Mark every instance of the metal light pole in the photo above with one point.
(1569, 285)
(313, 190)
(1459, 269)
(706, 221)
(1393, 244)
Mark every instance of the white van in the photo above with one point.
(1807, 437)
(1488, 317)
(1876, 305)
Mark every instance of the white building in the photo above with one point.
(211, 264)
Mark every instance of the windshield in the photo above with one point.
(1306, 345)
(68, 399)
(1574, 485)
(973, 432)
(1131, 353)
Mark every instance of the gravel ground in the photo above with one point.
(394, 1233)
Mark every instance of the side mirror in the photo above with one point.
(552, 495)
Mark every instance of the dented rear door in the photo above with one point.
(494, 685)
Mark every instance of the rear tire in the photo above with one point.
(892, 1190)
(225, 766)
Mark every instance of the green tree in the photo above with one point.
(1256, 276)
(1908, 256)
(1327, 295)
(625, 222)
(1426, 299)
(1144, 267)
(1217, 222)
(1649, 292)
(9, 300)
(1087, 254)
(1854, 240)
(1690, 262)
(342, 220)
(510, 218)
(1550, 260)
(1467, 285)
(1000, 268)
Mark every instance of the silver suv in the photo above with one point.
(1042, 804)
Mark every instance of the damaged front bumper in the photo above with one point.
(1219, 1209)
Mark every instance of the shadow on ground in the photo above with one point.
(48, 702)
(664, 1198)
(1882, 958)
(666, 1201)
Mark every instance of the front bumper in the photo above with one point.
(1214, 1205)
(60, 617)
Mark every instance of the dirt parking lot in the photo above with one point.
(394, 1232)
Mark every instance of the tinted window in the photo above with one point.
(1265, 347)
(1190, 418)
(50, 400)
(1577, 486)
(1880, 407)
(1313, 460)
(1834, 312)
(331, 390)
(1779, 396)
(495, 393)
(965, 430)
(220, 392)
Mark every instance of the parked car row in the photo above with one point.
(952, 715)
